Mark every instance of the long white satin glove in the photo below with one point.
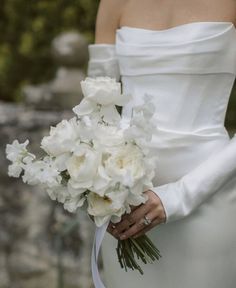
(180, 198)
(103, 61)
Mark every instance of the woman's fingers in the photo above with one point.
(133, 223)
(154, 223)
(110, 229)
(130, 219)
(138, 226)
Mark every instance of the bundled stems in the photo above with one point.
(141, 248)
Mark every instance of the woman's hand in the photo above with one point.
(132, 225)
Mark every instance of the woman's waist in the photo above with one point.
(178, 152)
(163, 137)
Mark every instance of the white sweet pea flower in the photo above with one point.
(19, 155)
(85, 107)
(62, 138)
(82, 166)
(147, 108)
(42, 172)
(71, 205)
(59, 193)
(142, 123)
(17, 152)
(135, 198)
(14, 170)
(112, 203)
(75, 198)
(125, 164)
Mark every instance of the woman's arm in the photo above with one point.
(102, 54)
(108, 20)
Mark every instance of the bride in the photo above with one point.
(184, 54)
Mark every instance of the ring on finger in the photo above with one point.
(146, 220)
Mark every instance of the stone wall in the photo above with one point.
(33, 252)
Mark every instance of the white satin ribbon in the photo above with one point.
(98, 237)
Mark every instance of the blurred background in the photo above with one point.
(43, 58)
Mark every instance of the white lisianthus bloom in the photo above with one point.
(62, 138)
(82, 166)
(112, 203)
(75, 198)
(125, 164)
(101, 181)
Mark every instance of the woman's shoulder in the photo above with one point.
(108, 20)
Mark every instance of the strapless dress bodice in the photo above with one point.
(189, 69)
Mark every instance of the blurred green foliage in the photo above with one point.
(26, 31)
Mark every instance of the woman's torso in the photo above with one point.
(190, 70)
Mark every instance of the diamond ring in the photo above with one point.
(146, 221)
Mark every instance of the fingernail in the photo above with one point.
(122, 237)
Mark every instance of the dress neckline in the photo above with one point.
(178, 26)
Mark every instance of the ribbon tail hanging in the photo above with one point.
(98, 237)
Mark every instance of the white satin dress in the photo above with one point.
(190, 69)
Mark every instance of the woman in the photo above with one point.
(183, 53)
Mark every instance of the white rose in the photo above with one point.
(82, 166)
(108, 136)
(62, 138)
(111, 204)
(104, 92)
(125, 164)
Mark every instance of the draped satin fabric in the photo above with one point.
(190, 70)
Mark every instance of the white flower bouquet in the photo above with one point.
(94, 162)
